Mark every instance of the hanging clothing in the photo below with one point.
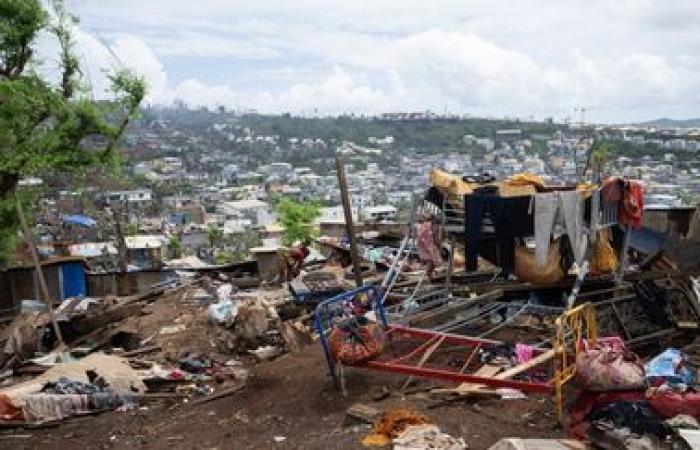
(564, 206)
(511, 218)
(572, 209)
(632, 205)
(426, 241)
(546, 207)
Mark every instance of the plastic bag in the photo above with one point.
(671, 365)
(223, 292)
(609, 368)
(222, 313)
(526, 268)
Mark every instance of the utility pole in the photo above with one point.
(122, 251)
(349, 225)
(39, 273)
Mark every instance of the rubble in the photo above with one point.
(444, 336)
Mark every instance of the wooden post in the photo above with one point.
(121, 243)
(349, 225)
(39, 272)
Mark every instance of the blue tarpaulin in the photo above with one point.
(79, 220)
(73, 280)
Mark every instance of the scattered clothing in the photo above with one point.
(670, 404)
(632, 206)
(66, 386)
(391, 424)
(426, 241)
(683, 421)
(589, 401)
(425, 437)
(524, 352)
(511, 218)
(609, 437)
(633, 415)
(671, 365)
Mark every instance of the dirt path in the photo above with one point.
(288, 398)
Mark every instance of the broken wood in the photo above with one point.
(220, 394)
(487, 371)
(141, 351)
(524, 367)
(364, 413)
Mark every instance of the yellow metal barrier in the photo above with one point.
(573, 327)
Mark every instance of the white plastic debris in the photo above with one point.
(223, 292)
(172, 329)
(266, 352)
(223, 312)
(418, 437)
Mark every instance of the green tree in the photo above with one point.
(297, 218)
(175, 247)
(51, 126)
(600, 155)
(214, 235)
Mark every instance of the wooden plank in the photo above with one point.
(364, 412)
(487, 370)
(517, 370)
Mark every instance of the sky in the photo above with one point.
(621, 60)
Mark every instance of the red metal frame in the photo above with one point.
(399, 365)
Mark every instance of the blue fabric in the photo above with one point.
(671, 365)
(79, 220)
(74, 284)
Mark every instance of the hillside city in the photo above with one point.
(187, 172)
(308, 225)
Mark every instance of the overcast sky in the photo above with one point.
(623, 60)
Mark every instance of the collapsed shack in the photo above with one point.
(194, 338)
(519, 273)
(643, 293)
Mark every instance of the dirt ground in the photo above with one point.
(289, 403)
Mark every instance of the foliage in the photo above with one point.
(214, 235)
(175, 247)
(131, 229)
(601, 154)
(227, 257)
(47, 126)
(297, 218)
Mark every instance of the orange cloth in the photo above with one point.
(392, 423)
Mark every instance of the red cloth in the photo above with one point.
(611, 190)
(299, 254)
(632, 205)
(670, 404)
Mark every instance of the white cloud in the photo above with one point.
(623, 60)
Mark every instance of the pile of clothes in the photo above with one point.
(625, 404)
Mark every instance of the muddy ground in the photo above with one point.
(289, 403)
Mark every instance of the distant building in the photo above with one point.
(379, 213)
(257, 211)
(139, 197)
